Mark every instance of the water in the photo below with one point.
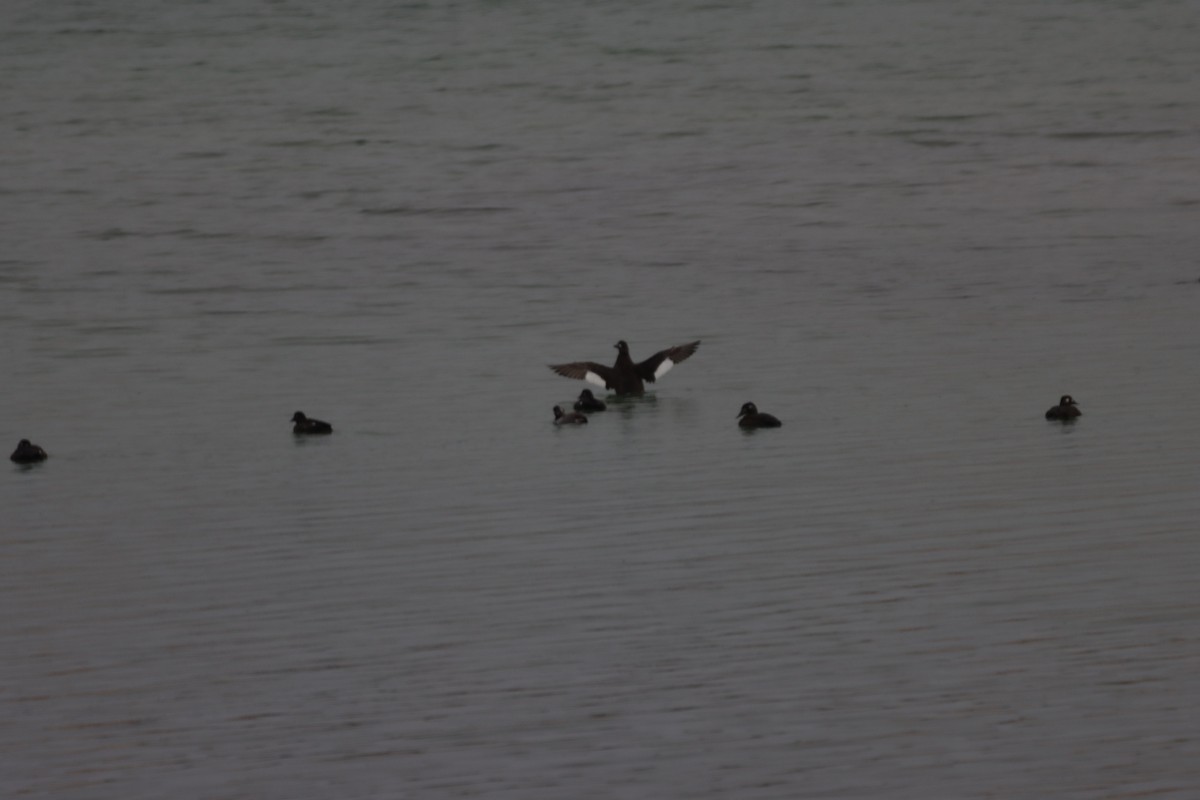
(903, 228)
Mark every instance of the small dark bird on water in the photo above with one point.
(306, 425)
(626, 377)
(588, 402)
(1065, 411)
(749, 417)
(572, 418)
(28, 453)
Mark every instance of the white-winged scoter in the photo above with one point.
(306, 425)
(749, 417)
(28, 453)
(1065, 411)
(588, 402)
(626, 377)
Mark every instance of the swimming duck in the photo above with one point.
(306, 425)
(588, 402)
(573, 418)
(626, 377)
(28, 453)
(1065, 410)
(749, 417)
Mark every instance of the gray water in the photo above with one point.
(905, 228)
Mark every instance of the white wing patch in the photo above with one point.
(595, 379)
(663, 368)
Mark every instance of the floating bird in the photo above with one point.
(306, 425)
(625, 377)
(1066, 409)
(573, 418)
(588, 402)
(28, 453)
(749, 417)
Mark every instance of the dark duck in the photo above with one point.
(750, 417)
(306, 425)
(588, 402)
(572, 418)
(1065, 410)
(627, 377)
(28, 453)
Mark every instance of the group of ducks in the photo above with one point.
(29, 453)
(625, 377)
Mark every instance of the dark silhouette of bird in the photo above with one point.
(1065, 411)
(588, 402)
(28, 453)
(305, 425)
(750, 417)
(626, 377)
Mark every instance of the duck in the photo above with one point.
(306, 425)
(588, 402)
(573, 418)
(1066, 409)
(28, 453)
(750, 417)
(627, 377)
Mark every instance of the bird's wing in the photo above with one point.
(589, 371)
(661, 362)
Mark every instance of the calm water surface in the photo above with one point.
(904, 228)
